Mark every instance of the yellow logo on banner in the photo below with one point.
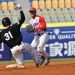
(60, 24)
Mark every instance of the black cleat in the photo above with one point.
(47, 62)
(43, 59)
(37, 65)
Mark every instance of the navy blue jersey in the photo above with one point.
(12, 35)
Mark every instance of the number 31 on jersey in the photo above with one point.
(8, 36)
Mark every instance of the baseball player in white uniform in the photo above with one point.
(38, 26)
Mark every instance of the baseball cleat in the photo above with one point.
(37, 65)
(47, 62)
(43, 59)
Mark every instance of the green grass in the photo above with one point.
(62, 59)
(52, 60)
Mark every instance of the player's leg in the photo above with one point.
(18, 56)
(33, 53)
(34, 44)
(35, 41)
(42, 41)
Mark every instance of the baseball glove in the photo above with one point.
(30, 28)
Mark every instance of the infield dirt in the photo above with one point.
(54, 68)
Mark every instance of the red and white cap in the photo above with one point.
(32, 9)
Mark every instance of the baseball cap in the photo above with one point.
(32, 9)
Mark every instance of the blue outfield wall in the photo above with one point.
(60, 45)
(5, 53)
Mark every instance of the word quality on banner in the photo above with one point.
(61, 42)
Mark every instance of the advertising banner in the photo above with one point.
(61, 42)
(5, 53)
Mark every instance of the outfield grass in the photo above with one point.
(51, 60)
(62, 59)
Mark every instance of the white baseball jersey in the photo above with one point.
(39, 23)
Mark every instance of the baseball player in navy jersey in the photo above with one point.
(38, 26)
(12, 36)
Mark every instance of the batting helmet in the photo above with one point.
(32, 9)
(6, 22)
